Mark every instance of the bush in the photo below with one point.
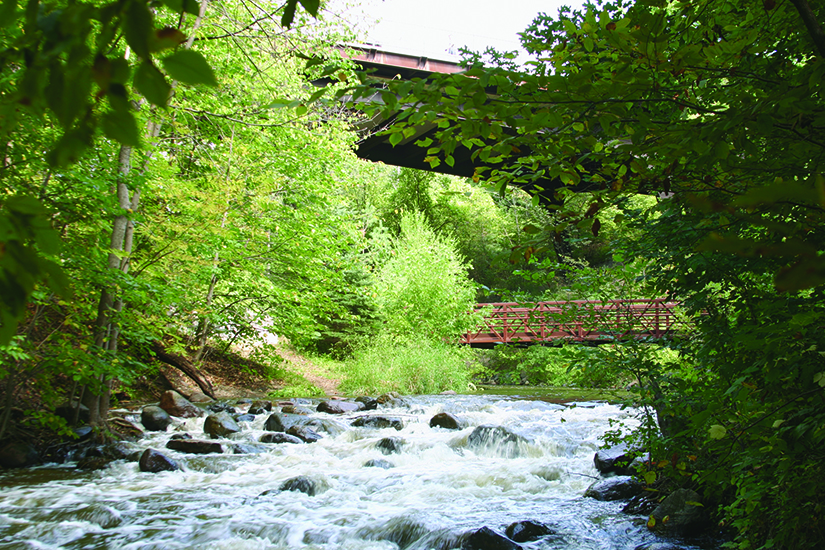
(406, 365)
(423, 289)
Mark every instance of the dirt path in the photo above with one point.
(314, 374)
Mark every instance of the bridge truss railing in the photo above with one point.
(578, 321)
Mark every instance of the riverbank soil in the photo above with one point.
(234, 375)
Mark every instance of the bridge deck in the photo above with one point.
(578, 321)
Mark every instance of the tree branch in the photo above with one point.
(814, 29)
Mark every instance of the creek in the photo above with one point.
(438, 488)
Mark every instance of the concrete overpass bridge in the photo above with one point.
(376, 147)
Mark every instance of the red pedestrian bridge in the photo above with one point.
(575, 321)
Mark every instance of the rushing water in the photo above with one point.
(438, 488)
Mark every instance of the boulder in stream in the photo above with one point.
(379, 463)
(155, 419)
(275, 423)
(18, 455)
(194, 446)
(390, 445)
(446, 421)
(304, 434)
(292, 408)
(153, 461)
(177, 405)
(242, 448)
(279, 437)
(67, 411)
(200, 397)
(659, 546)
(684, 512)
(92, 463)
(370, 403)
(220, 425)
(378, 422)
(526, 531)
(615, 460)
(260, 407)
(335, 406)
(244, 418)
(299, 484)
(614, 488)
(487, 539)
(496, 439)
(219, 407)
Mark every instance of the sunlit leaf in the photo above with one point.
(189, 67)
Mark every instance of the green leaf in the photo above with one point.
(8, 13)
(289, 13)
(395, 138)
(120, 126)
(151, 83)
(189, 67)
(717, 432)
(187, 6)
(311, 6)
(138, 27)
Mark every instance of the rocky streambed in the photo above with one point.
(470, 472)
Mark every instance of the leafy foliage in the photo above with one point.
(716, 108)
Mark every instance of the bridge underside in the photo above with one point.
(376, 147)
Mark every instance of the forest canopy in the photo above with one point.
(171, 181)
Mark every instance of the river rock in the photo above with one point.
(291, 408)
(183, 435)
(18, 455)
(243, 401)
(327, 425)
(389, 397)
(615, 460)
(497, 439)
(194, 446)
(370, 404)
(614, 488)
(446, 421)
(304, 433)
(155, 419)
(339, 407)
(390, 445)
(487, 539)
(378, 463)
(200, 397)
(300, 484)
(260, 407)
(658, 546)
(378, 422)
(244, 418)
(684, 512)
(525, 531)
(84, 433)
(177, 405)
(279, 437)
(220, 425)
(66, 412)
(243, 448)
(274, 423)
(221, 407)
(92, 463)
(154, 461)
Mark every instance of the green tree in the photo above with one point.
(716, 107)
(423, 289)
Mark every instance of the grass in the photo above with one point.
(408, 366)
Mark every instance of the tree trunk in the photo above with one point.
(110, 306)
(204, 325)
(183, 364)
